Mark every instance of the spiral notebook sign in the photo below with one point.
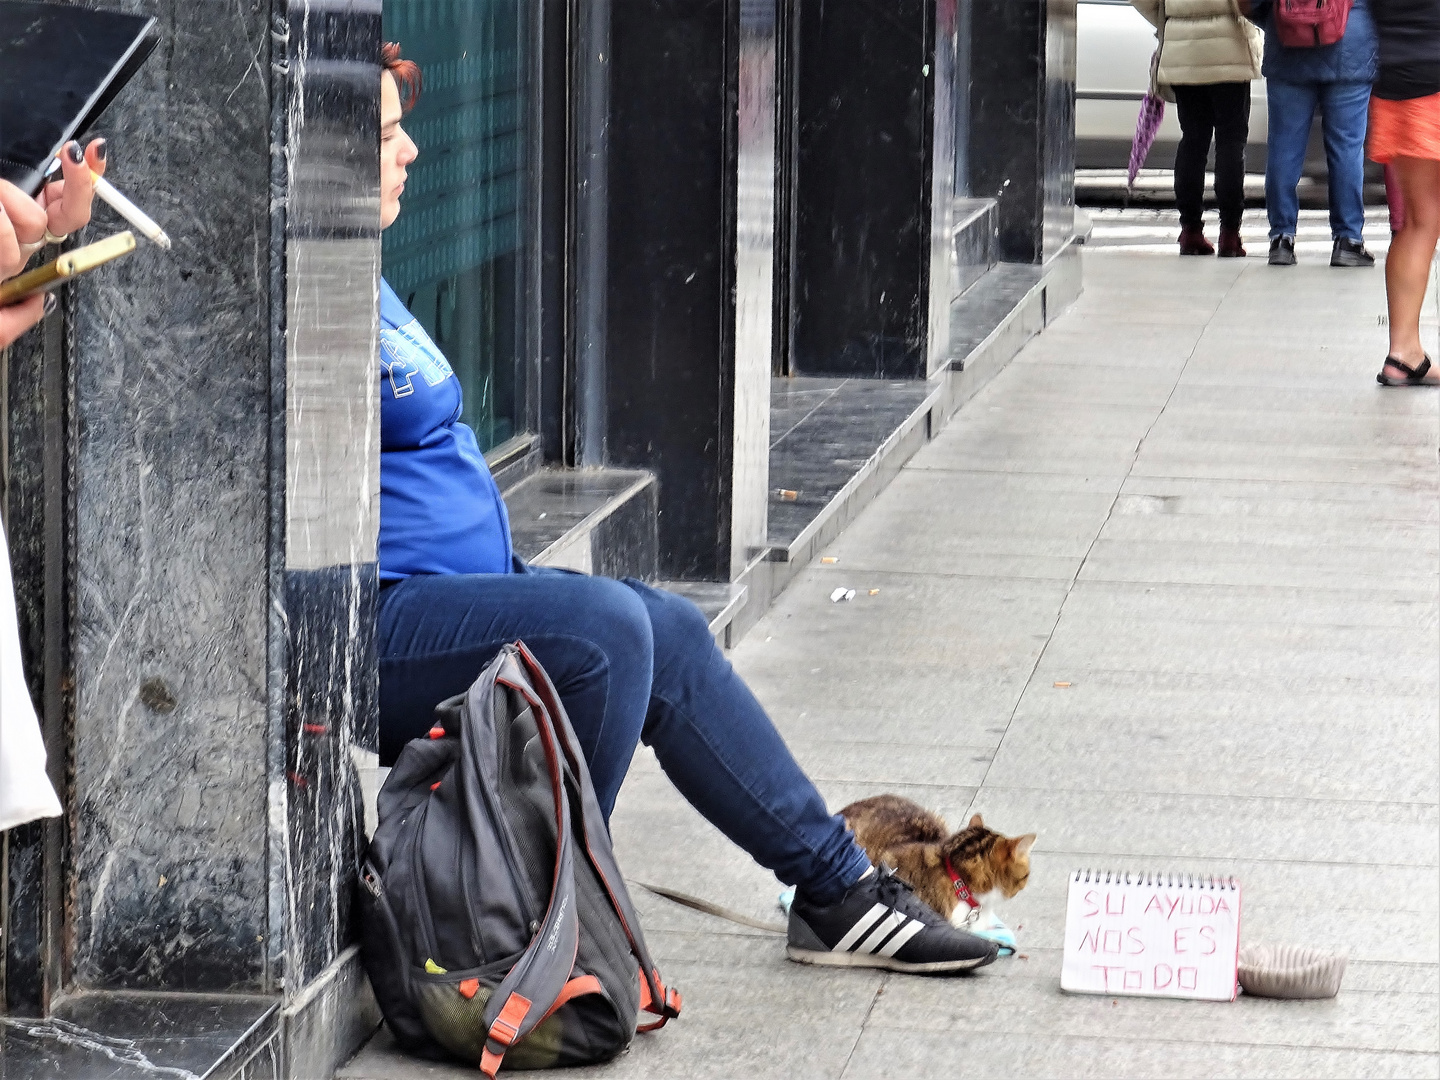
(1151, 935)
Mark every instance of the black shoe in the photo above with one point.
(1349, 252)
(1282, 251)
(880, 923)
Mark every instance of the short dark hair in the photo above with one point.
(406, 72)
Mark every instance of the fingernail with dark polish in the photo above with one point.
(101, 146)
(76, 153)
(50, 303)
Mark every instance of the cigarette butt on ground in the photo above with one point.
(829, 558)
(874, 592)
(786, 495)
(1063, 685)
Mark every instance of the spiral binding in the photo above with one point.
(1161, 879)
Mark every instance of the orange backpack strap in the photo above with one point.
(585, 984)
(504, 1031)
(669, 1004)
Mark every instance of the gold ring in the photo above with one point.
(51, 238)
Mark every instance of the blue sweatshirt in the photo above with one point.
(440, 511)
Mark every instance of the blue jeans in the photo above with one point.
(1345, 108)
(630, 663)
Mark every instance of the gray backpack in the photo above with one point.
(494, 920)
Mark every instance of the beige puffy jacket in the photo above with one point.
(1205, 41)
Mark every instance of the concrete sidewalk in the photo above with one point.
(1189, 501)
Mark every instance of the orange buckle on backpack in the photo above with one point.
(469, 988)
(504, 1031)
(506, 1027)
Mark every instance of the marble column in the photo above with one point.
(688, 281)
(171, 556)
(874, 147)
(1022, 121)
(192, 484)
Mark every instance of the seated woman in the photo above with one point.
(630, 662)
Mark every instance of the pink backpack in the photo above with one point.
(1310, 24)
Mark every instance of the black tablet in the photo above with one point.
(60, 66)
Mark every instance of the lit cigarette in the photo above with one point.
(122, 206)
(130, 212)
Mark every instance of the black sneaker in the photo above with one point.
(880, 923)
(1347, 252)
(1282, 251)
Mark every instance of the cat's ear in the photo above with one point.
(1023, 845)
(976, 823)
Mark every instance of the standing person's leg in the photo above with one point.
(1345, 110)
(592, 636)
(1292, 110)
(1197, 122)
(1232, 132)
(1395, 200)
(1407, 267)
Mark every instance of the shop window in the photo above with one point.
(459, 254)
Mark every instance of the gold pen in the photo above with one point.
(73, 263)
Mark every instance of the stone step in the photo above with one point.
(599, 521)
(719, 600)
(132, 1035)
(977, 239)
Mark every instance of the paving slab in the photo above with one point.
(1165, 592)
(886, 1054)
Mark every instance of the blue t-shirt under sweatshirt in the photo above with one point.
(440, 511)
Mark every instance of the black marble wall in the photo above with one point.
(1022, 121)
(864, 138)
(690, 227)
(171, 551)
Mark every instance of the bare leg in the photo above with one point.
(1407, 267)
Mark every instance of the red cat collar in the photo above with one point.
(961, 889)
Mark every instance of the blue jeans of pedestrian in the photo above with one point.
(630, 663)
(1345, 108)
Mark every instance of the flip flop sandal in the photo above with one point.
(1413, 376)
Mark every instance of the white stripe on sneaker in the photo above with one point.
(884, 930)
(904, 934)
(862, 924)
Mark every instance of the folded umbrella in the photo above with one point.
(1152, 113)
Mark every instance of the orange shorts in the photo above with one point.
(1404, 129)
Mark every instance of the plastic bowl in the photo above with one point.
(1290, 971)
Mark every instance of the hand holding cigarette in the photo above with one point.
(67, 201)
(59, 209)
(121, 205)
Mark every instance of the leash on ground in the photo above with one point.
(697, 904)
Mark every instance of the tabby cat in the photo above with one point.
(919, 846)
